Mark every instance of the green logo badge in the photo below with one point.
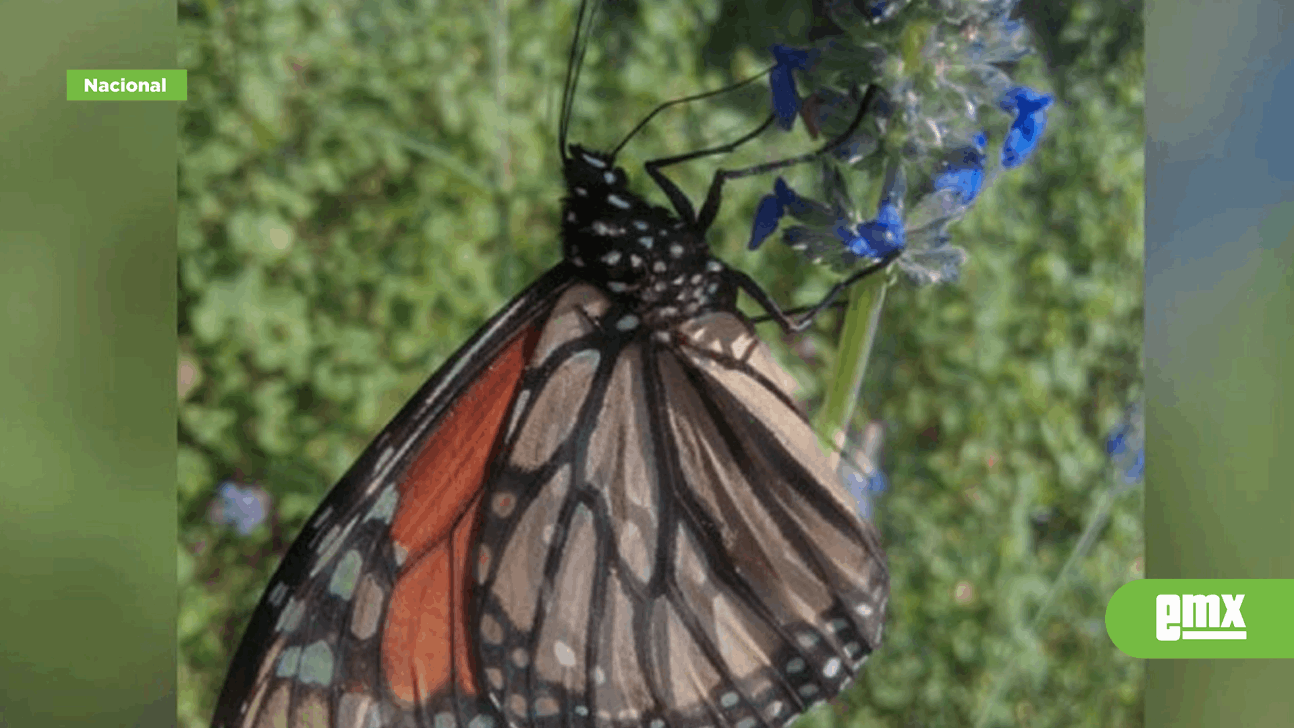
(134, 85)
(1203, 618)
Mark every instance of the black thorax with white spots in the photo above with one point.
(642, 254)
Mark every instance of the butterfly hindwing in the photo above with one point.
(666, 544)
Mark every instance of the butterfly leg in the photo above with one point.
(713, 198)
(676, 197)
(788, 324)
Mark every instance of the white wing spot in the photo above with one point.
(616, 287)
(628, 323)
(384, 508)
(646, 242)
(522, 397)
(864, 609)
(808, 690)
(491, 630)
(837, 625)
(728, 700)
(564, 654)
(316, 664)
(611, 258)
(346, 574)
(289, 661)
(520, 657)
(581, 192)
(795, 666)
(619, 202)
(546, 706)
(277, 593)
(323, 517)
(326, 541)
(594, 161)
(807, 639)
(503, 503)
(599, 677)
(714, 266)
(484, 558)
(640, 224)
(676, 250)
(831, 668)
(636, 261)
(746, 722)
(609, 177)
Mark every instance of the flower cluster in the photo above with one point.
(938, 65)
(244, 508)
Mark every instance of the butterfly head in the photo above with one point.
(633, 249)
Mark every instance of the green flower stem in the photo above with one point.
(862, 319)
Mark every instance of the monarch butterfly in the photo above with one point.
(604, 509)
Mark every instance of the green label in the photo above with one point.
(169, 85)
(1203, 618)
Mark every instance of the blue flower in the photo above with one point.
(1029, 108)
(862, 473)
(964, 174)
(786, 97)
(771, 209)
(876, 9)
(1126, 446)
(875, 238)
(864, 488)
(242, 508)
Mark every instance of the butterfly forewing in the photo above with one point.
(364, 622)
(666, 543)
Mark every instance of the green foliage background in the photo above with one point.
(362, 183)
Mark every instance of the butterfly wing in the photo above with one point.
(365, 621)
(666, 544)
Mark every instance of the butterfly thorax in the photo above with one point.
(638, 252)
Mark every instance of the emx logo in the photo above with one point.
(1200, 617)
(1178, 619)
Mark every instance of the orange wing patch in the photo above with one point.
(425, 642)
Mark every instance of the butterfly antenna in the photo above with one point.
(686, 99)
(574, 63)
